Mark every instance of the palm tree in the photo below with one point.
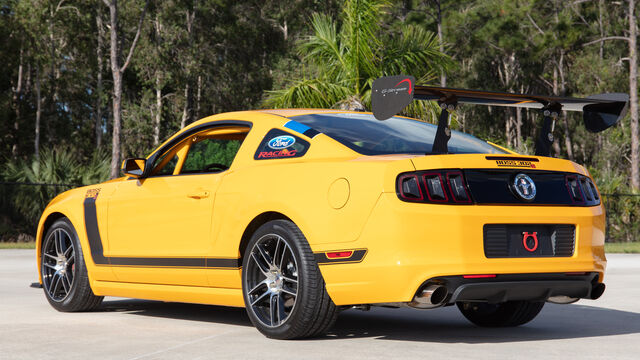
(346, 57)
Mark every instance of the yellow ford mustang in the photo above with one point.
(297, 214)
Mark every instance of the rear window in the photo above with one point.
(368, 136)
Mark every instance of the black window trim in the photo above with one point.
(187, 133)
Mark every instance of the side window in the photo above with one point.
(167, 168)
(278, 144)
(210, 155)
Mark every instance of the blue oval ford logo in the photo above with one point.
(281, 142)
(524, 187)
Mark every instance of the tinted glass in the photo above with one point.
(210, 155)
(168, 168)
(368, 136)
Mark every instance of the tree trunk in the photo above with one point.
(568, 143)
(17, 95)
(36, 146)
(186, 109)
(158, 117)
(443, 76)
(114, 169)
(198, 97)
(633, 92)
(117, 71)
(98, 110)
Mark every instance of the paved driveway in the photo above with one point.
(608, 328)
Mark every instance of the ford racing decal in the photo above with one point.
(281, 142)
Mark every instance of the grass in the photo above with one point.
(623, 247)
(18, 245)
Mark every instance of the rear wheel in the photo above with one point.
(506, 314)
(64, 273)
(284, 292)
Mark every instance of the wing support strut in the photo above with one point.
(545, 136)
(443, 133)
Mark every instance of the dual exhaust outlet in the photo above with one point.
(435, 295)
(431, 296)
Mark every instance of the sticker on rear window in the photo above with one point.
(281, 142)
(278, 144)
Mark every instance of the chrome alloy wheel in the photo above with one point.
(58, 265)
(272, 280)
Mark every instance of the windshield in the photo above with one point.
(368, 136)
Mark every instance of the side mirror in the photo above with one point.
(134, 167)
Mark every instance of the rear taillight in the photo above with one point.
(409, 188)
(582, 190)
(435, 187)
(458, 187)
(439, 187)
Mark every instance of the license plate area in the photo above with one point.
(528, 240)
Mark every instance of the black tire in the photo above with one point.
(311, 312)
(506, 314)
(64, 280)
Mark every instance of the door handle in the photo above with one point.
(199, 194)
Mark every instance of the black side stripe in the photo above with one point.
(97, 252)
(356, 257)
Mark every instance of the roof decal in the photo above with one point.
(301, 128)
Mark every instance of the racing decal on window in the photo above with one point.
(301, 128)
(278, 144)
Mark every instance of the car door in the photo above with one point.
(159, 227)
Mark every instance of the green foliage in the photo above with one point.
(24, 203)
(210, 151)
(344, 57)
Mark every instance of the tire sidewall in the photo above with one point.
(283, 229)
(80, 268)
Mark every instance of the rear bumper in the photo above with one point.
(409, 244)
(510, 287)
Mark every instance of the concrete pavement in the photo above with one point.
(30, 328)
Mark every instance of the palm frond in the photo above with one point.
(308, 93)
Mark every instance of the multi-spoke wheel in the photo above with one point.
(58, 266)
(64, 274)
(283, 289)
(272, 276)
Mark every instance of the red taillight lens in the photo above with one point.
(440, 186)
(457, 187)
(574, 189)
(409, 188)
(435, 187)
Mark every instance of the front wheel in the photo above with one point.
(506, 314)
(284, 292)
(64, 273)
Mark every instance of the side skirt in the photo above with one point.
(173, 293)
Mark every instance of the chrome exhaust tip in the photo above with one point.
(431, 296)
(562, 299)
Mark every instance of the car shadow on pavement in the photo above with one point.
(448, 325)
(182, 311)
(444, 325)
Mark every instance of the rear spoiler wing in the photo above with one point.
(391, 94)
